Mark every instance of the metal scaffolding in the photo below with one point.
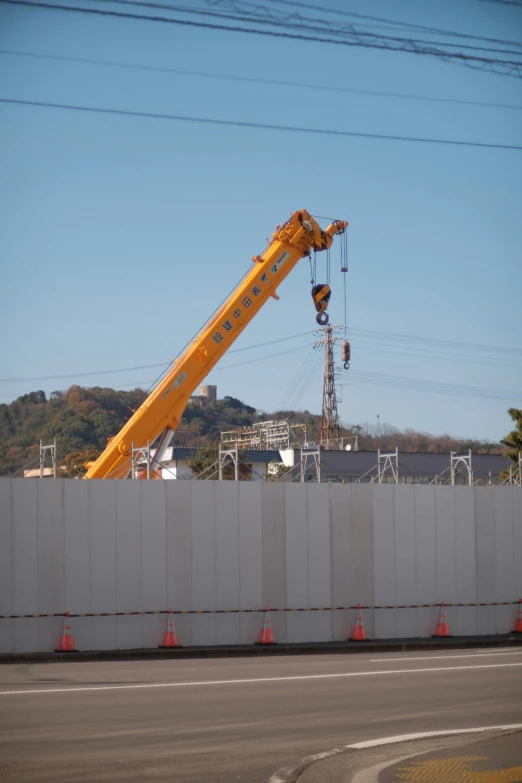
(461, 465)
(271, 435)
(140, 461)
(46, 451)
(388, 466)
(226, 455)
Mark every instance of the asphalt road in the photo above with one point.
(224, 720)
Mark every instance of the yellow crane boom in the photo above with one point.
(163, 408)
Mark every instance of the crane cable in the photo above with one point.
(344, 270)
(328, 267)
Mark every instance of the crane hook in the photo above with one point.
(322, 318)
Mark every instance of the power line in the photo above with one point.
(501, 67)
(415, 384)
(258, 125)
(135, 384)
(473, 346)
(406, 25)
(372, 336)
(261, 15)
(261, 358)
(516, 3)
(144, 366)
(302, 377)
(379, 379)
(254, 80)
(392, 351)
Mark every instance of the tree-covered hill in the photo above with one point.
(82, 420)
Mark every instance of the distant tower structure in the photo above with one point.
(209, 392)
(331, 436)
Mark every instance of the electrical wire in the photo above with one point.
(262, 358)
(305, 383)
(302, 370)
(309, 368)
(473, 346)
(145, 366)
(315, 369)
(261, 15)
(516, 3)
(257, 125)
(406, 25)
(498, 66)
(416, 384)
(365, 336)
(301, 381)
(293, 383)
(391, 351)
(252, 80)
(136, 384)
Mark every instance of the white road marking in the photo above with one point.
(256, 679)
(426, 734)
(445, 657)
(498, 649)
(282, 775)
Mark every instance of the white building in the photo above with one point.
(175, 462)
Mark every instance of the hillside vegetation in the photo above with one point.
(82, 419)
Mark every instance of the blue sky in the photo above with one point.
(119, 236)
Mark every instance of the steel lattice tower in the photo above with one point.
(330, 436)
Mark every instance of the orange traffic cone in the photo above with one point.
(66, 639)
(358, 633)
(518, 624)
(169, 637)
(442, 623)
(267, 636)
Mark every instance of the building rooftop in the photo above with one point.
(250, 455)
(357, 463)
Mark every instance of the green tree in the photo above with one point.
(513, 441)
(205, 461)
(73, 466)
(233, 402)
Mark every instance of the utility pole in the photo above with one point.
(330, 436)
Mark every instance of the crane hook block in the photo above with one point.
(321, 294)
(345, 354)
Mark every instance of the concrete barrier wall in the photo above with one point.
(120, 546)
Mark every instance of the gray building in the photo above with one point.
(414, 468)
(349, 467)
